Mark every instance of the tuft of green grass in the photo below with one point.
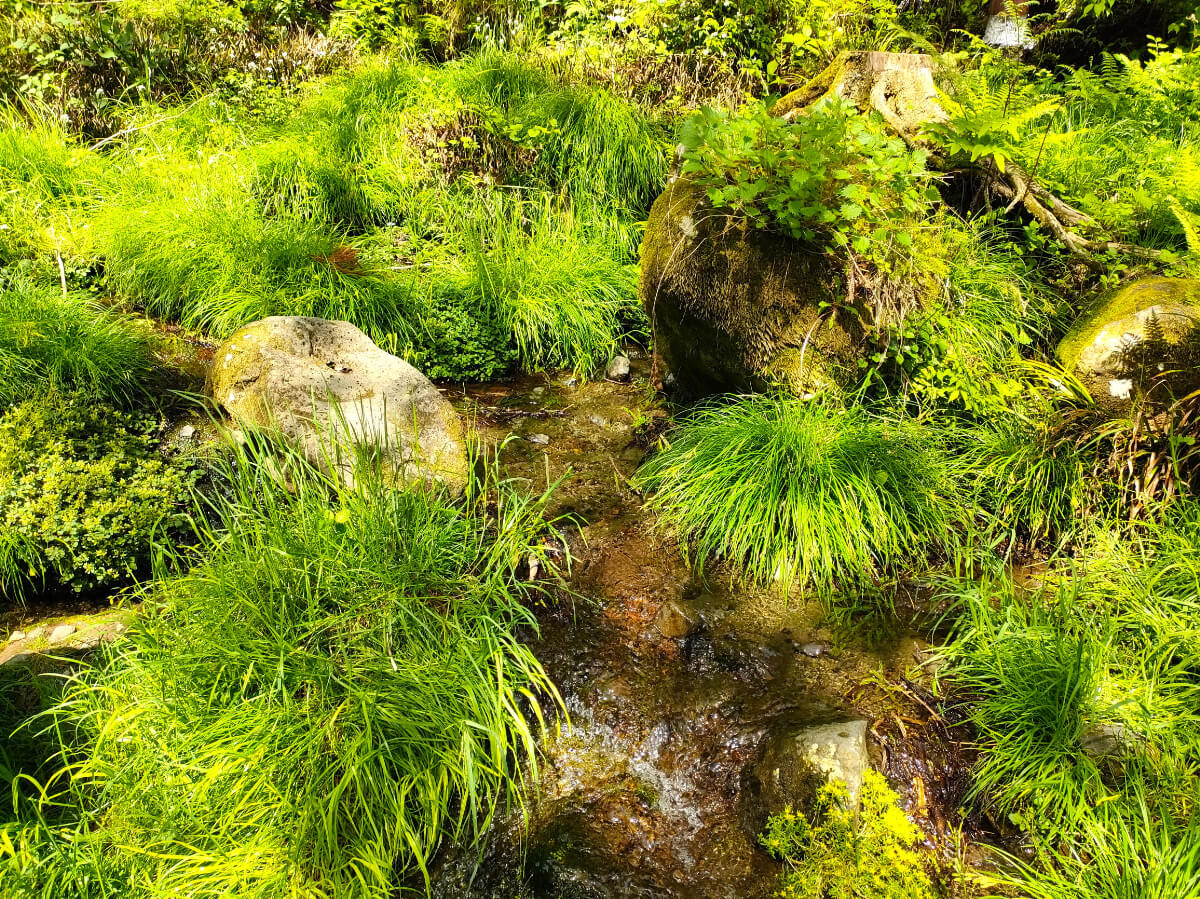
(562, 297)
(1037, 672)
(802, 492)
(1030, 482)
(49, 341)
(607, 155)
(46, 181)
(1147, 853)
(333, 690)
(216, 264)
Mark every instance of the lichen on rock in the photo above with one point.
(332, 392)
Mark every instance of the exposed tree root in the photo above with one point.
(899, 86)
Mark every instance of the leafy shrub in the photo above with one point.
(831, 173)
(88, 61)
(864, 854)
(800, 491)
(82, 494)
(332, 692)
(457, 345)
(51, 341)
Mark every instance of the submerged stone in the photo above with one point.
(1141, 341)
(674, 620)
(618, 369)
(332, 392)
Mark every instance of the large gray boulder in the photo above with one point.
(1139, 341)
(325, 385)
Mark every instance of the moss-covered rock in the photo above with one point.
(734, 308)
(1141, 340)
(325, 383)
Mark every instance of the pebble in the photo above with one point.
(61, 632)
(813, 650)
(36, 633)
(187, 432)
(15, 636)
(570, 382)
(539, 439)
(618, 369)
(538, 391)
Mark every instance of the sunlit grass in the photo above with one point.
(333, 691)
(50, 341)
(802, 492)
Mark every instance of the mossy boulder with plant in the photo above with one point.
(737, 309)
(1141, 340)
(781, 248)
(83, 493)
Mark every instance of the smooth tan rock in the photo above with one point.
(1139, 341)
(326, 387)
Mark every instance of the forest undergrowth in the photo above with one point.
(327, 685)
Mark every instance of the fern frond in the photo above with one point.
(1190, 222)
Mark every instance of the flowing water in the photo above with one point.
(674, 684)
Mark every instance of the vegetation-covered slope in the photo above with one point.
(329, 685)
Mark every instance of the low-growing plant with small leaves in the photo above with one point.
(867, 853)
(83, 492)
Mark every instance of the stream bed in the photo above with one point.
(679, 688)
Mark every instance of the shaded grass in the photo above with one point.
(802, 492)
(333, 691)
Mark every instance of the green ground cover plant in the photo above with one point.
(83, 494)
(832, 172)
(330, 693)
(806, 493)
(864, 852)
(1083, 695)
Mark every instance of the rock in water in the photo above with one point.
(734, 308)
(325, 383)
(618, 369)
(797, 762)
(1139, 341)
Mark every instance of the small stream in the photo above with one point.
(675, 685)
